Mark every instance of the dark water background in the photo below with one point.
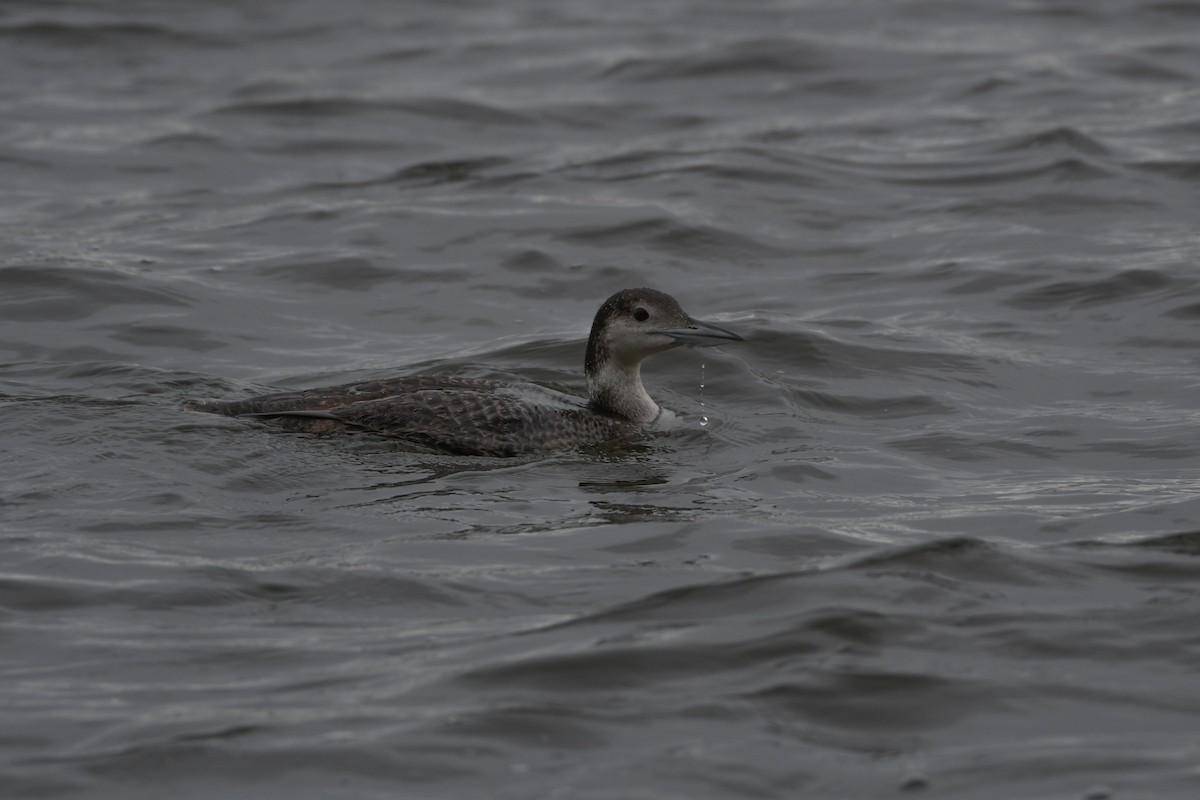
(941, 537)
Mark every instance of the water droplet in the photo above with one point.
(703, 421)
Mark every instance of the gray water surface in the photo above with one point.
(939, 537)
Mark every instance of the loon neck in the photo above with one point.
(617, 389)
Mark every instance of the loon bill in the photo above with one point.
(472, 416)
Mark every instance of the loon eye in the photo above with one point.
(641, 314)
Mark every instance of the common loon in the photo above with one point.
(472, 416)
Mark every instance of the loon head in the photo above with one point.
(633, 324)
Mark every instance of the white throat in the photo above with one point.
(618, 388)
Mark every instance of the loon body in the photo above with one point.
(472, 416)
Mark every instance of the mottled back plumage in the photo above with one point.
(467, 416)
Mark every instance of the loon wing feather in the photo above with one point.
(457, 415)
(293, 412)
(477, 422)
